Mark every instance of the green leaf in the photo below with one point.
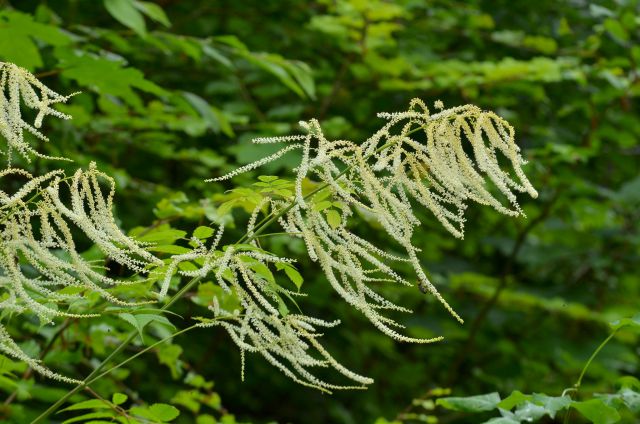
(90, 417)
(263, 271)
(203, 108)
(333, 218)
(88, 404)
(530, 412)
(119, 398)
(203, 232)
(166, 236)
(106, 76)
(18, 31)
(164, 412)
(479, 403)
(125, 12)
(169, 248)
(514, 399)
(633, 322)
(552, 404)
(291, 272)
(502, 420)
(320, 206)
(169, 355)
(157, 413)
(616, 29)
(140, 321)
(597, 411)
(153, 11)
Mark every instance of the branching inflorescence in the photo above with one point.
(41, 270)
(386, 177)
(439, 161)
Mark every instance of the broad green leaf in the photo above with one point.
(530, 412)
(333, 218)
(106, 76)
(320, 206)
(125, 12)
(187, 266)
(480, 403)
(263, 271)
(18, 31)
(597, 411)
(552, 404)
(203, 232)
(164, 412)
(119, 398)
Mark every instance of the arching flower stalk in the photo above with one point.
(440, 161)
(386, 177)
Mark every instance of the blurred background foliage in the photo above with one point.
(173, 92)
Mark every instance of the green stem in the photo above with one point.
(593, 355)
(92, 376)
(576, 386)
(84, 383)
(140, 353)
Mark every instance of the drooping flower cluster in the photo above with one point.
(440, 161)
(19, 87)
(41, 270)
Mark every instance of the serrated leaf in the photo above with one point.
(552, 404)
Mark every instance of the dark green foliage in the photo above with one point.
(172, 92)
